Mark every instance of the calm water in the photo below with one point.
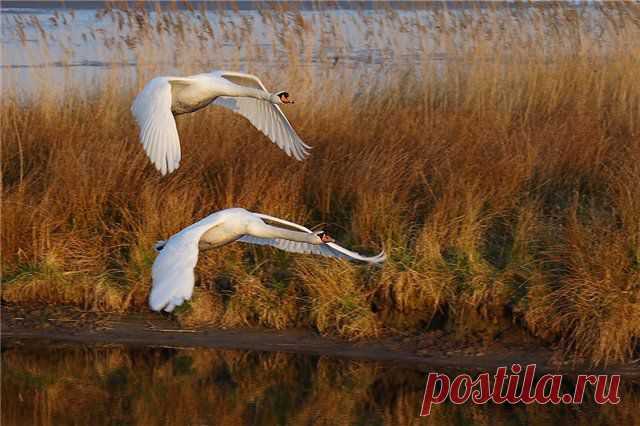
(53, 384)
(48, 45)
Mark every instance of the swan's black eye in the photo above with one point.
(285, 94)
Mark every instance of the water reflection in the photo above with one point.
(52, 384)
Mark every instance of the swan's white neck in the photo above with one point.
(236, 90)
(267, 231)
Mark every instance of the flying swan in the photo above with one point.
(173, 270)
(165, 97)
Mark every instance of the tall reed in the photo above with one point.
(495, 153)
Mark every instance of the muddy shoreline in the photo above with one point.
(21, 324)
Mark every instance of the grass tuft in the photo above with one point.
(499, 170)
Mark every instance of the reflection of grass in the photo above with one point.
(30, 380)
(69, 385)
(183, 366)
(503, 184)
(117, 379)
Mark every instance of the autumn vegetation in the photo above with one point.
(498, 165)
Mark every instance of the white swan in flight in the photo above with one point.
(173, 270)
(165, 97)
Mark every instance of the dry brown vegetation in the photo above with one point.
(503, 180)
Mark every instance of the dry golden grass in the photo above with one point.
(502, 181)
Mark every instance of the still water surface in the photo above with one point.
(47, 45)
(54, 384)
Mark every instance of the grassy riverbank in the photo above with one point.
(503, 181)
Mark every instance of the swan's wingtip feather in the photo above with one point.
(155, 304)
(381, 257)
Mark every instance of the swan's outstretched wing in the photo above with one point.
(265, 116)
(327, 249)
(158, 132)
(172, 272)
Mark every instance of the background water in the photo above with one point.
(84, 41)
(45, 383)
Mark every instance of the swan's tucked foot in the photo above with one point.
(284, 98)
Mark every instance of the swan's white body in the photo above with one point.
(164, 97)
(173, 269)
